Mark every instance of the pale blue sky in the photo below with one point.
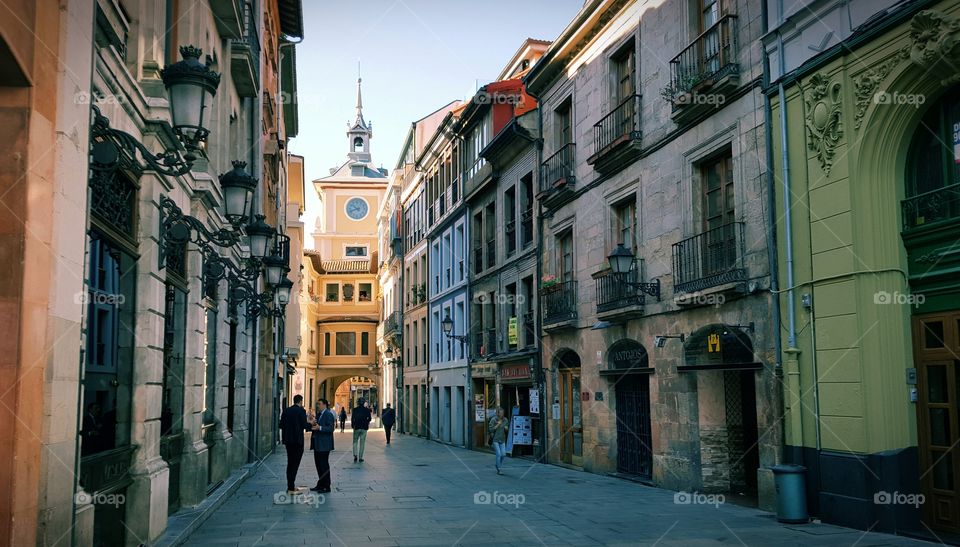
(415, 56)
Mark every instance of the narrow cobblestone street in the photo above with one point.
(417, 492)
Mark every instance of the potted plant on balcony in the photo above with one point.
(548, 281)
(680, 92)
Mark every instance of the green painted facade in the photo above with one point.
(846, 385)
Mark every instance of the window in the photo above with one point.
(333, 292)
(356, 251)
(710, 13)
(526, 209)
(565, 256)
(510, 218)
(346, 343)
(364, 343)
(625, 223)
(623, 74)
(210, 366)
(366, 292)
(933, 165)
(311, 340)
(326, 343)
(562, 123)
(718, 202)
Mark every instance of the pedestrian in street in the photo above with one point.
(293, 423)
(360, 422)
(321, 442)
(343, 418)
(389, 418)
(498, 427)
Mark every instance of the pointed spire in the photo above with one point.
(359, 98)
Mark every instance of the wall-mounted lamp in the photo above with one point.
(447, 327)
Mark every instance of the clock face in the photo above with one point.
(357, 208)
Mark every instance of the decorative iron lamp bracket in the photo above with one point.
(109, 143)
(243, 293)
(177, 227)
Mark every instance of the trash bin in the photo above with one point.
(790, 481)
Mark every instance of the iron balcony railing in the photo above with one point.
(392, 323)
(561, 166)
(710, 57)
(251, 36)
(935, 206)
(559, 302)
(621, 124)
(619, 290)
(708, 259)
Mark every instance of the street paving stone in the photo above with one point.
(418, 492)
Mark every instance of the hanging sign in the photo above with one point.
(535, 401)
(512, 331)
(556, 411)
(956, 142)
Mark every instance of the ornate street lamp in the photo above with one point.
(388, 353)
(261, 235)
(191, 86)
(283, 291)
(447, 326)
(238, 187)
(276, 268)
(621, 262)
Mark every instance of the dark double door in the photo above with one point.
(634, 449)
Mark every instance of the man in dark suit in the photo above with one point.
(360, 422)
(389, 418)
(321, 442)
(293, 422)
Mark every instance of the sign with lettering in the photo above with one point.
(713, 343)
(956, 142)
(522, 430)
(627, 354)
(515, 372)
(512, 331)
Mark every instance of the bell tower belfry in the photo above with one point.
(359, 132)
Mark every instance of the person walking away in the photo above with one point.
(321, 442)
(293, 422)
(498, 427)
(389, 418)
(343, 418)
(360, 422)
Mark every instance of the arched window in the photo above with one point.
(358, 144)
(933, 166)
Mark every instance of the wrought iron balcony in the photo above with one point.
(617, 291)
(559, 302)
(392, 324)
(558, 171)
(620, 126)
(930, 207)
(708, 259)
(708, 60)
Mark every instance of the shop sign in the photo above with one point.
(479, 408)
(627, 354)
(956, 142)
(515, 372)
(512, 331)
(556, 411)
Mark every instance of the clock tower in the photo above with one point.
(359, 132)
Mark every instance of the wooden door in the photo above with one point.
(571, 427)
(936, 341)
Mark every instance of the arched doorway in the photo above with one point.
(567, 363)
(723, 359)
(930, 214)
(628, 365)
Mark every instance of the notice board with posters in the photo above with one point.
(522, 430)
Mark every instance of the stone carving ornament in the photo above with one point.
(933, 40)
(824, 123)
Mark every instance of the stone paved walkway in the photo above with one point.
(417, 492)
